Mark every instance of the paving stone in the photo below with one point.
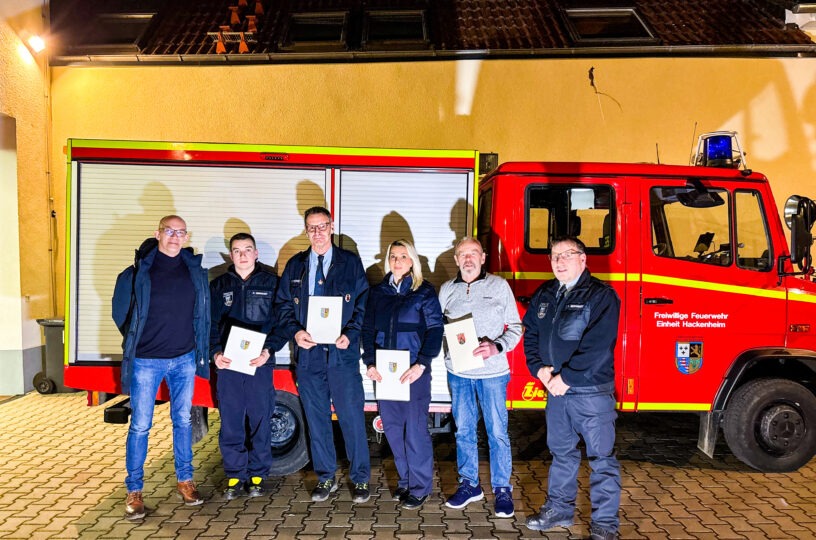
(669, 489)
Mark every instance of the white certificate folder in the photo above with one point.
(323, 321)
(461, 339)
(242, 346)
(391, 365)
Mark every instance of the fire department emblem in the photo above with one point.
(244, 344)
(542, 310)
(460, 337)
(347, 298)
(688, 356)
(392, 367)
(324, 313)
(228, 299)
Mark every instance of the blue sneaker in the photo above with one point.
(465, 495)
(547, 520)
(504, 503)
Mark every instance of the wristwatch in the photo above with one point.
(498, 346)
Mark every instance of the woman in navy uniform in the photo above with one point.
(403, 313)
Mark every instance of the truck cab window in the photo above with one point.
(583, 210)
(691, 225)
(753, 241)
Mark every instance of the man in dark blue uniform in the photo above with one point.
(570, 330)
(328, 373)
(244, 297)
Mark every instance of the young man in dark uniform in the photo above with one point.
(244, 297)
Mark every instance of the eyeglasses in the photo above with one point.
(323, 227)
(178, 233)
(565, 256)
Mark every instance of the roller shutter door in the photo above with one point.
(117, 206)
(429, 209)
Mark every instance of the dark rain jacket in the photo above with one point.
(406, 320)
(577, 335)
(131, 303)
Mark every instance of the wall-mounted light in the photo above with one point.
(33, 42)
(36, 43)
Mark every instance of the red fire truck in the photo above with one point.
(718, 319)
(716, 310)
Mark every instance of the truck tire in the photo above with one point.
(770, 425)
(290, 451)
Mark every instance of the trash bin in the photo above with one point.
(51, 378)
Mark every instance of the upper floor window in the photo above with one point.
(591, 26)
(394, 29)
(316, 31)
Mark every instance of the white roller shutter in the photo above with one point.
(117, 206)
(429, 209)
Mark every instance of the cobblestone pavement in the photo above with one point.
(62, 469)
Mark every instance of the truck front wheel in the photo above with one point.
(770, 425)
(289, 449)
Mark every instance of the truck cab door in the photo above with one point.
(709, 289)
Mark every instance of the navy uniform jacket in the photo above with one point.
(134, 291)
(406, 321)
(577, 336)
(346, 278)
(249, 304)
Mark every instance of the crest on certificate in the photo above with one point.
(460, 337)
(324, 313)
(392, 367)
(245, 344)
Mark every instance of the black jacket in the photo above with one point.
(246, 303)
(406, 320)
(577, 335)
(346, 278)
(131, 302)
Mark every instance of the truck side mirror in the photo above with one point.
(801, 239)
(800, 214)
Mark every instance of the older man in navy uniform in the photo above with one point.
(328, 373)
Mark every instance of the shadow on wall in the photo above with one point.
(308, 194)
(445, 267)
(219, 248)
(394, 227)
(115, 250)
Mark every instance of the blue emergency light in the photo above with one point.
(717, 150)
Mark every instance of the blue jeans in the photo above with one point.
(467, 395)
(588, 412)
(179, 373)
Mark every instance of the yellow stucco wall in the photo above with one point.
(522, 109)
(22, 97)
